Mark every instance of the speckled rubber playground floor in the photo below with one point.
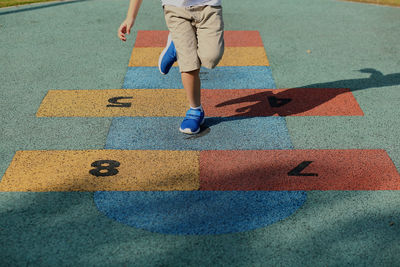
(297, 163)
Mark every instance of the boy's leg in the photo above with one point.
(195, 115)
(210, 35)
(191, 83)
(181, 26)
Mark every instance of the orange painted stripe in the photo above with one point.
(233, 56)
(298, 170)
(282, 102)
(216, 102)
(232, 38)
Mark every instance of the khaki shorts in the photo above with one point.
(198, 35)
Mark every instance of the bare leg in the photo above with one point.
(191, 83)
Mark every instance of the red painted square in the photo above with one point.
(232, 39)
(243, 39)
(282, 102)
(151, 38)
(298, 170)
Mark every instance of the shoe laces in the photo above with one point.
(193, 114)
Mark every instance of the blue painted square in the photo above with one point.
(234, 133)
(251, 77)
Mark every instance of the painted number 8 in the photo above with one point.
(104, 168)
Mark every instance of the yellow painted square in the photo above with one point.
(45, 171)
(98, 103)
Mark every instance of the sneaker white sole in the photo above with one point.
(188, 131)
(163, 53)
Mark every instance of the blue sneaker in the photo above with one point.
(167, 57)
(191, 123)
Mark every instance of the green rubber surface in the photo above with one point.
(331, 229)
(312, 43)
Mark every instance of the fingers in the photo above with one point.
(124, 29)
(121, 32)
(129, 25)
(122, 37)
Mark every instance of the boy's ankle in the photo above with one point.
(199, 107)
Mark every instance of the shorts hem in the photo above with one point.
(209, 66)
(189, 69)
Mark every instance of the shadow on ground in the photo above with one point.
(332, 228)
(65, 228)
(259, 101)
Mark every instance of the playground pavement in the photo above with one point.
(341, 205)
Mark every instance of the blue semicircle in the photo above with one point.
(199, 212)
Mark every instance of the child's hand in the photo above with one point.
(125, 28)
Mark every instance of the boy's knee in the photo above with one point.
(212, 58)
